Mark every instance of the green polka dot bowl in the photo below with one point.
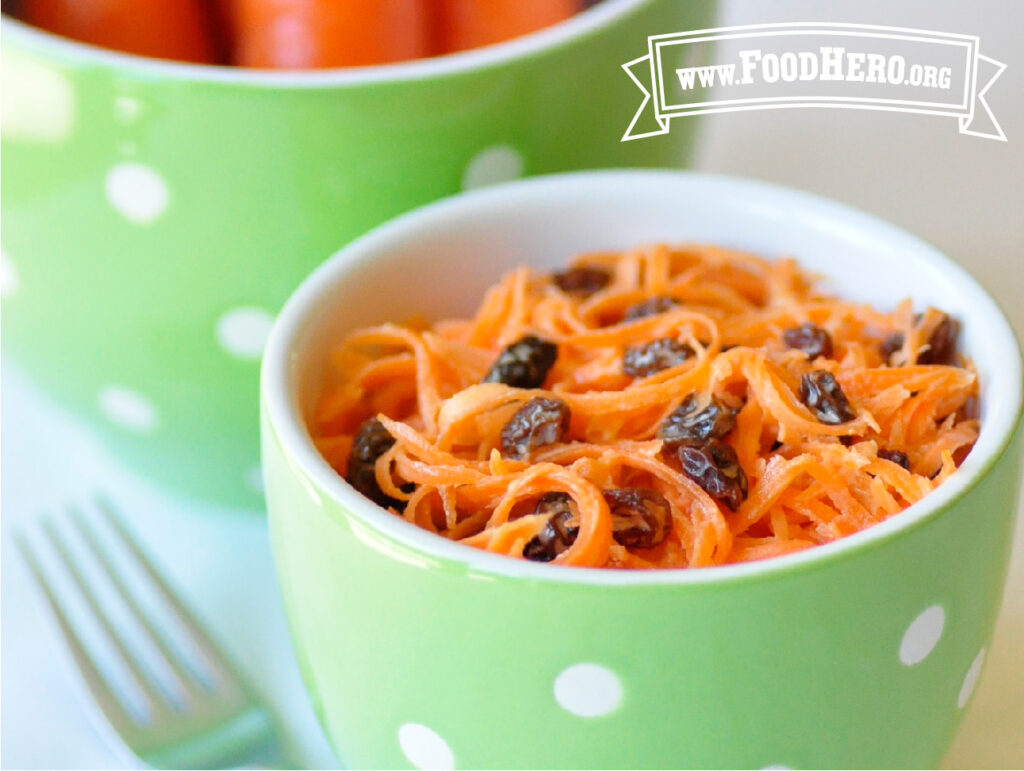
(156, 215)
(420, 652)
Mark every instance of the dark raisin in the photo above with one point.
(825, 398)
(893, 342)
(942, 344)
(537, 423)
(523, 364)
(370, 442)
(897, 457)
(582, 281)
(689, 423)
(809, 338)
(641, 518)
(715, 467)
(649, 307)
(555, 503)
(646, 359)
(560, 531)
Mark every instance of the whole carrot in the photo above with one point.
(164, 29)
(309, 34)
(473, 23)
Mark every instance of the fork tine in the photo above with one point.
(111, 705)
(222, 669)
(156, 701)
(189, 679)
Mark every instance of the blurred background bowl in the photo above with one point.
(156, 215)
(862, 653)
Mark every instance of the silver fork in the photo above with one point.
(212, 719)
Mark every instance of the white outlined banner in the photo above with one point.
(811, 64)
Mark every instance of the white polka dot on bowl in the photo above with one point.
(254, 479)
(8, 276)
(499, 163)
(136, 192)
(922, 635)
(971, 679)
(242, 332)
(127, 108)
(128, 408)
(588, 690)
(424, 748)
(39, 101)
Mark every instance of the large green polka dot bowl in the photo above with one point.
(419, 652)
(156, 215)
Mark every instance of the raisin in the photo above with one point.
(942, 343)
(690, 423)
(649, 307)
(897, 457)
(715, 467)
(560, 531)
(893, 342)
(582, 281)
(555, 503)
(370, 442)
(523, 364)
(641, 518)
(537, 423)
(644, 360)
(809, 338)
(825, 398)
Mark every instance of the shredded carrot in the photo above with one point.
(809, 479)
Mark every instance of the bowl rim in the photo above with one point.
(280, 405)
(581, 24)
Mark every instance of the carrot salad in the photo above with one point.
(665, 407)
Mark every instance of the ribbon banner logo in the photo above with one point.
(853, 66)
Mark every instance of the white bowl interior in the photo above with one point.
(437, 262)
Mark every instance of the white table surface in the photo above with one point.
(964, 194)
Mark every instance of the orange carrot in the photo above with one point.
(463, 24)
(163, 29)
(314, 34)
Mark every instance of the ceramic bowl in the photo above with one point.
(419, 651)
(156, 215)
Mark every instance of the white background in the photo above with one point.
(963, 194)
